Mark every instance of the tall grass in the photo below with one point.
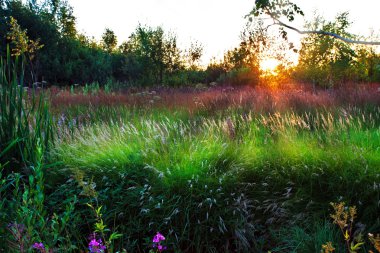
(308, 239)
(25, 138)
(24, 117)
(219, 182)
(218, 170)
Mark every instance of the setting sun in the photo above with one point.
(269, 64)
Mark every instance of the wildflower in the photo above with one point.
(39, 245)
(158, 238)
(96, 246)
(161, 248)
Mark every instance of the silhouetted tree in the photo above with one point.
(109, 40)
(194, 54)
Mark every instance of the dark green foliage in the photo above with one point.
(26, 135)
(24, 217)
(308, 238)
(109, 40)
(325, 60)
(239, 76)
(157, 53)
(186, 77)
(80, 63)
(66, 57)
(149, 57)
(214, 71)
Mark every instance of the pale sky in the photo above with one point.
(214, 23)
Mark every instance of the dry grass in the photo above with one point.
(257, 99)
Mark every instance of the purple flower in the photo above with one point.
(39, 246)
(157, 242)
(96, 246)
(161, 248)
(158, 238)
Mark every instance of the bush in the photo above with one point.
(239, 76)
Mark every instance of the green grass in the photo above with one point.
(24, 117)
(222, 177)
(198, 145)
(304, 240)
(225, 180)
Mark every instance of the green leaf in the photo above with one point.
(98, 211)
(114, 236)
(356, 246)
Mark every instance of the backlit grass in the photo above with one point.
(198, 145)
(218, 178)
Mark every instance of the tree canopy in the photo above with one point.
(277, 9)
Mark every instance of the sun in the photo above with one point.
(269, 65)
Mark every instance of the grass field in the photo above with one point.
(225, 169)
(213, 169)
(148, 143)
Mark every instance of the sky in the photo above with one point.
(216, 24)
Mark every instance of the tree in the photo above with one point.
(367, 64)
(194, 54)
(67, 57)
(22, 45)
(66, 19)
(156, 52)
(324, 60)
(33, 5)
(276, 9)
(19, 40)
(109, 40)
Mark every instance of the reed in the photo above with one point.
(25, 117)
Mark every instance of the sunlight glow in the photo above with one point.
(204, 21)
(269, 65)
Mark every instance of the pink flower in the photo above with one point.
(161, 248)
(96, 246)
(39, 245)
(158, 238)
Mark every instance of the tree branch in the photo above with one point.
(337, 36)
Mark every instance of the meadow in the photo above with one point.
(135, 145)
(225, 169)
(213, 169)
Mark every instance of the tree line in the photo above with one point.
(45, 33)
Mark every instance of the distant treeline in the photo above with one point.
(45, 33)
